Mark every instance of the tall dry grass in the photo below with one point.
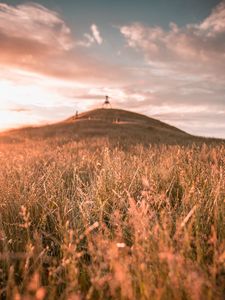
(87, 221)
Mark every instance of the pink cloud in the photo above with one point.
(96, 34)
(195, 47)
(37, 39)
(215, 23)
(91, 38)
(36, 23)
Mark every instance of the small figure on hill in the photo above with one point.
(107, 103)
(76, 116)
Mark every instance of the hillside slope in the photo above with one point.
(115, 124)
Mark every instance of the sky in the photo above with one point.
(165, 59)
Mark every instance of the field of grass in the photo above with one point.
(85, 220)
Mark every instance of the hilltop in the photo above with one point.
(115, 124)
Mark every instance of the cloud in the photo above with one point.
(38, 40)
(215, 23)
(182, 76)
(20, 109)
(91, 38)
(32, 37)
(195, 48)
(192, 122)
(96, 34)
(36, 23)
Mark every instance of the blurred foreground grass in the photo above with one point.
(84, 220)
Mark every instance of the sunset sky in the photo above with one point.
(163, 58)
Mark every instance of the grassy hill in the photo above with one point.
(111, 206)
(118, 126)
